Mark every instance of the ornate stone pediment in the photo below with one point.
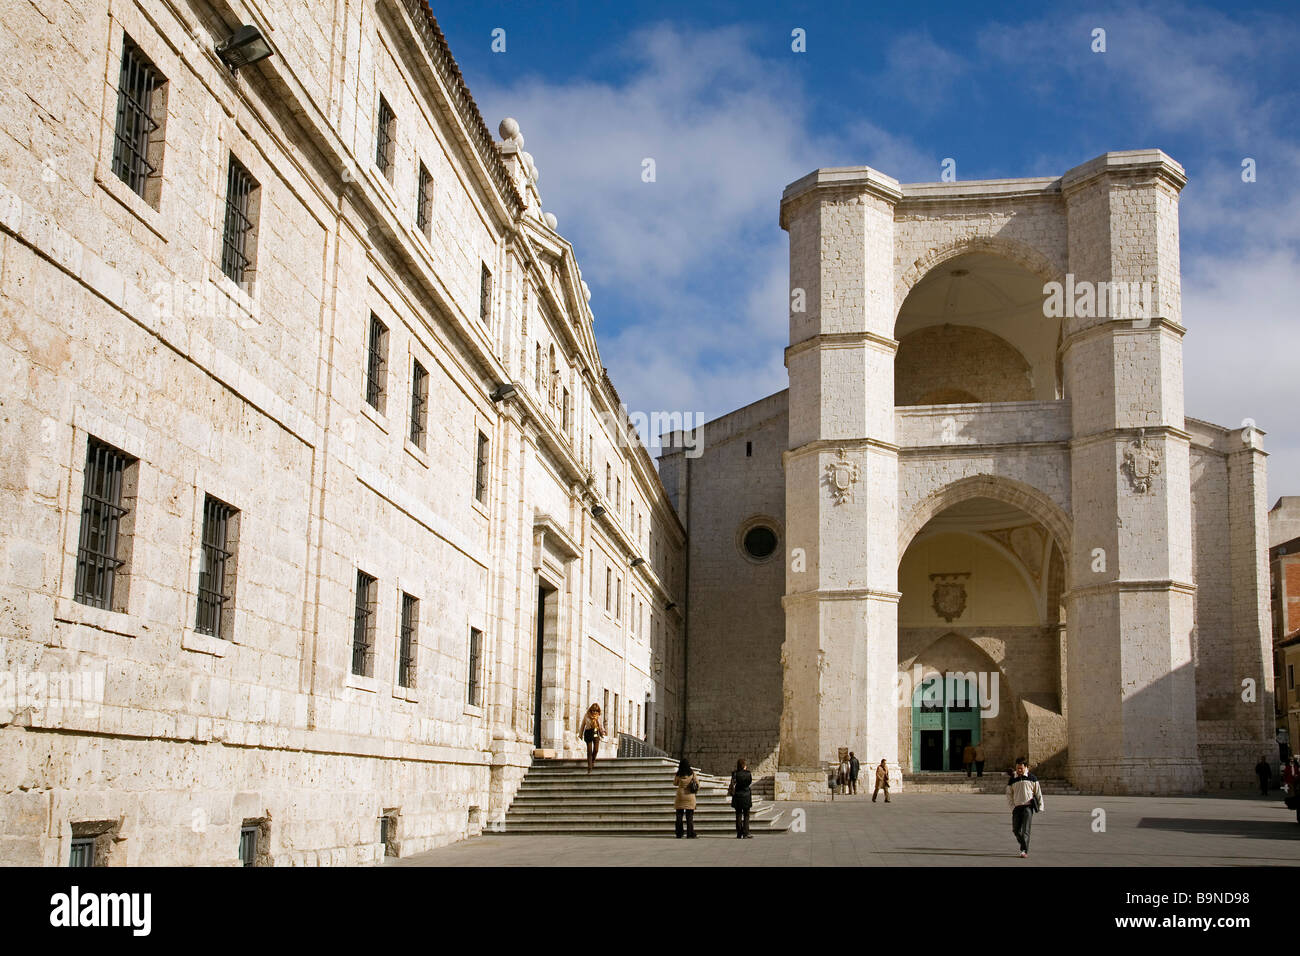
(950, 594)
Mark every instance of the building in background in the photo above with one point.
(322, 516)
(1284, 573)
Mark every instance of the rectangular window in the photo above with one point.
(609, 588)
(1290, 676)
(376, 364)
(419, 404)
(618, 495)
(137, 134)
(475, 658)
(481, 469)
(106, 520)
(83, 852)
(406, 641)
(591, 578)
(609, 481)
(424, 202)
(564, 412)
(386, 139)
(485, 296)
(216, 569)
(363, 626)
(248, 845)
(618, 600)
(238, 238)
(614, 724)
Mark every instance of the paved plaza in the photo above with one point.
(938, 830)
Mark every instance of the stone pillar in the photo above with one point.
(840, 655)
(1132, 726)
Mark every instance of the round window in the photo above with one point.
(760, 542)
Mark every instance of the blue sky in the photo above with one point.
(689, 273)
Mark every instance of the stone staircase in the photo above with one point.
(995, 782)
(625, 796)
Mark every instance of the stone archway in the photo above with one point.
(1030, 258)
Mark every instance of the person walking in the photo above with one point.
(688, 785)
(1025, 797)
(591, 731)
(882, 781)
(979, 760)
(1265, 774)
(855, 768)
(968, 758)
(742, 799)
(844, 775)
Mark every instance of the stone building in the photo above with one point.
(321, 514)
(1284, 576)
(979, 514)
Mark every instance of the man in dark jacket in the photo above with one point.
(742, 798)
(1025, 797)
(1265, 774)
(854, 767)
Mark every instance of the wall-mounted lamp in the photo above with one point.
(503, 391)
(670, 605)
(597, 511)
(244, 47)
(637, 562)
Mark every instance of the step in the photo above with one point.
(625, 828)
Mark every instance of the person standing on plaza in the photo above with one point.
(741, 797)
(1265, 774)
(688, 785)
(843, 778)
(591, 731)
(968, 758)
(1025, 797)
(855, 769)
(882, 781)
(979, 760)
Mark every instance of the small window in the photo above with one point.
(363, 626)
(138, 130)
(216, 569)
(481, 469)
(609, 588)
(239, 238)
(83, 852)
(760, 542)
(485, 296)
(388, 833)
(749, 449)
(475, 690)
(92, 842)
(565, 422)
(424, 202)
(419, 404)
(386, 139)
(618, 599)
(248, 845)
(107, 520)
(1290, 676)
(376, 364)
(406, 641)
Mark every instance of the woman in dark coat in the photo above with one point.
(741, 798)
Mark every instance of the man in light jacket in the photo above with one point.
(1025, 797)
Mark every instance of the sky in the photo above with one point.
(689, 273)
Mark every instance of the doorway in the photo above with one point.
(545, 696)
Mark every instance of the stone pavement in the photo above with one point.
(939, 829)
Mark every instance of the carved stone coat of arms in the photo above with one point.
(949, 595)
(841, 476)
(1142, 462)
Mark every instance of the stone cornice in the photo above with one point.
(833, 340)
(1120, 327)
(1135, 584)
(1150, 163)
(841, 594)
(834, 444)
(846, 180)
(1130, 433)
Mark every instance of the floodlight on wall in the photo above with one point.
(670, 605)
(597, 511)
(244, 47)
(503, 391)
(637, 562)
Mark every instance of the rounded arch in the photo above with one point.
(1018, 252)
(1027, 498)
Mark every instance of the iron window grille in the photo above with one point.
(135, 125)
(102, 511)
(248, 845)
(363, 625)
(475, 656)
(236, 258)
(419, 404)
(481, 469)
(407, 640)
(385, 138)
(376, 363)
(82, 852)
(485, 296)
(424, 201)
(216, 555)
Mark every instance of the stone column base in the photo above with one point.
(1138, 775)
(802, 784)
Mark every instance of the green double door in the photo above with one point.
(944, 721)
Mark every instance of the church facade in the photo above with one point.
(979, 514)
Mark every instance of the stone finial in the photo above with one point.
(586, 292)
(509, 128)
(550, 220)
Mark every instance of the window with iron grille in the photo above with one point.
(363, 626)
(83, 852)
(248, 845)
(104, 544)
(216, 569)
(376, 363)
(485, 296)
(481, 469)
(237, 240)
(424, 201)
(475, 663)
(137, 133)
(406, 641)
(419, 404)
(385, 139)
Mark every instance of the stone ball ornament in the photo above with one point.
(550, 220)
(509, 128)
